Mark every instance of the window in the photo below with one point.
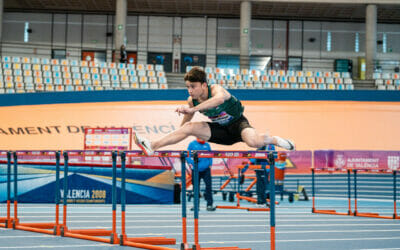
(26, 32)
(328, 41)
(357, 42)
(384, 43)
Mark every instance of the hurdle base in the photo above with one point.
(34, 229)
(260, 209)
(146, 242)
(331, 212)
(144, 245)
(372, 215)
(40, 225)
(91, 232)
(153, 240)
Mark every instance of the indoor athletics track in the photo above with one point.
(296, 227)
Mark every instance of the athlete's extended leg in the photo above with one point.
(199, 129)
(255, 140)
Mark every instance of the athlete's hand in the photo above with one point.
(185, 110)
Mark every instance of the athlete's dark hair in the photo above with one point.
(196, 74)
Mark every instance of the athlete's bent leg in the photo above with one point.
(199, 129)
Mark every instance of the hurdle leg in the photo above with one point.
(91, 234)
(139, 242)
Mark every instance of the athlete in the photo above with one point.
(228, 125)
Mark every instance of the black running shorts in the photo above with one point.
(229, 134)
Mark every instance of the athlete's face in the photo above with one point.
(196, 89)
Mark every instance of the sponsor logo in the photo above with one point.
(340, 162)
(393, 162)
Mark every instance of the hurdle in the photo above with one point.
(140, 242)
(91, 234)
(319, 211)
(7, 221)
(240, 197)
(375, 215)
(232, 154)
(51, 228)
(278, 175)
(355, 211)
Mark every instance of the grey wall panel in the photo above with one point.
(194, 35)
(59, 29)
(74, 31)
(295, 38)
(39, 23)
(279, 46)
(132, 32)
(94, 31)
(261, 37)
(228, 37)
(160, 34)
(312, 39)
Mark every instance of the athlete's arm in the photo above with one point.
(218, 96)
(187, 117)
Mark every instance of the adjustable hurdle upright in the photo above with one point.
(91, 234)
(140, 242)
(7, 221)
(231, 154)
(355, 211)
(52, 228)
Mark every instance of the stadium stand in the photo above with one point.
(21, 75)
(387, 81)
(278, 79)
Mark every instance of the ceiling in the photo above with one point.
(389, 13)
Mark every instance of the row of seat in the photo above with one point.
(277, 85)
(388, 87)
(386, 76)
(79, 74)
(50, 87)
(67, 62)
(271, 72)
(281, 79)
(76, 69)
(96, 80)
(395, 82)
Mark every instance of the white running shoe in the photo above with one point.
(285, 143)
(143, 144)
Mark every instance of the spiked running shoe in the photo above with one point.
(285, 143)
(143, 144)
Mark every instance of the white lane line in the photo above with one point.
(28, 236)
(378, 249)
(265, 225)
(302, 240)
(59, 246)
(206, 221)
(277, 232)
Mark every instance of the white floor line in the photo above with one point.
(267, 233)
(254, 225)
(302, 240)
(59, 246)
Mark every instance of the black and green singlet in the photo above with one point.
(224, 114)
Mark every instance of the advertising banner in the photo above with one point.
(89, 179)
(373, 161)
